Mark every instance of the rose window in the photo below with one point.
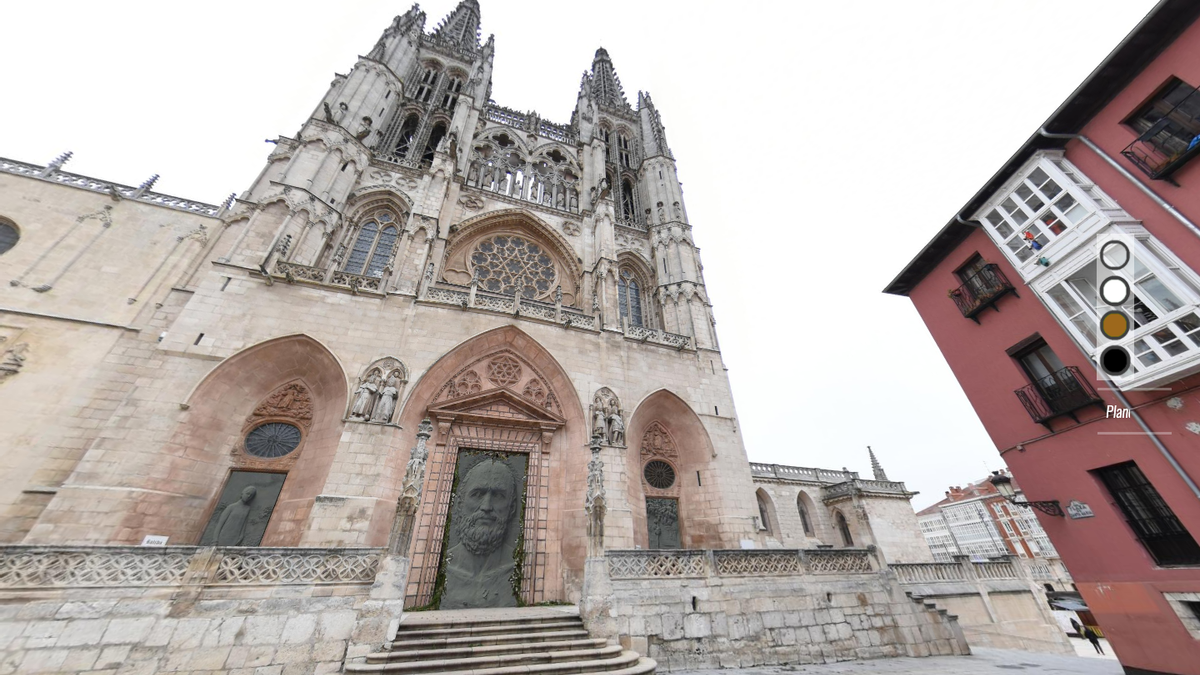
(273, 439)
(504, 371)
(659, 474)
(506, 264)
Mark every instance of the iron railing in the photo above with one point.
(982, 290)
(1169, 143)
(1059, 393)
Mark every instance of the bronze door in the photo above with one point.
(662, 520)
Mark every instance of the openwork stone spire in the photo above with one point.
(606, 86)
(876, 467)
(461, 27)
(654, 136)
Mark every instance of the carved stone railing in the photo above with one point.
(579, 320)
(658, 337)
(657, 564)
(300, 272)
(1041, 571)
(448, 296)
(43, 566)
(296, 566)
(850, 487)
(838, 561)
(912, 573)
(107, 187)
(800, 473)
(531, 123)
(131, 566)
(995, 570)
(359, 282)
(757, 562)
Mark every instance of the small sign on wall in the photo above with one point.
(1077, 509)
(154, 540)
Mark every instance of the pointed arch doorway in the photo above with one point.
(482, 538)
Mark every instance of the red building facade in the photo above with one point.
(1013, 294)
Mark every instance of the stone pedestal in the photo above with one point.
(379, 617)
(595, 604)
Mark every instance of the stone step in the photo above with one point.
(419, 632)
(464, 652)
(476, 640)
(530, 657)
(625, 663)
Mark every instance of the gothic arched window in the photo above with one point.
(507, 263)
(623, 151)
(405, 139)
(804, 516)
(376, 239)
(629, 297)
(453, 89)
(844, 528)
(762, 512)
(429, 81)
(435, 137)
(8, 236)
(628, 202)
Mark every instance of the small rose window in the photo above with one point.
(273, 439)
(507, 263)
(659, 474)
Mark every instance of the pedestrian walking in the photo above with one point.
(1093, 638)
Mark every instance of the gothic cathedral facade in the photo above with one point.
(418, 270)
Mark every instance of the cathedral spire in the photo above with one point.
(876, 467)
(654, 136)
(461, 27)
(606, 86)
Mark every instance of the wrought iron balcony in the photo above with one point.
(982, 290)
(1059, 393)
(1163, 149)
(1171, 142)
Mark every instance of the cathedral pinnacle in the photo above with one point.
(654, 135)
(606, 86)
(461, 27)
(876, 467)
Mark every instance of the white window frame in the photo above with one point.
(1093, 211)
(1176, 277)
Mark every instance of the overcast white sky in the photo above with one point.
(821, 145)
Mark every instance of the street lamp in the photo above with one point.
(1003, 485)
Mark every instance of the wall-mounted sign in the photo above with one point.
(154, 540)
(1077, 509)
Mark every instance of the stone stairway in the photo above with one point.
(525, 641)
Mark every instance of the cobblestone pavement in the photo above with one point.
(981, 662)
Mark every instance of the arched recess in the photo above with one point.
(690, 451)
(768, 519)
(460, 261)
(809, 516)
(844, 531)
(466, 411)
(223, 407)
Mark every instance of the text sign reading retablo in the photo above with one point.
(155, 540)
(1077, 509)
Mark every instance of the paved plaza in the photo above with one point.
(981, 662)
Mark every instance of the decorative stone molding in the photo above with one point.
(291, 402)
(13, 359)
(657, 442)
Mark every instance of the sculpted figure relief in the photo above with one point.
(480, 566)
(231, 528)
(364, 398)
(607, 422)
(616, 427)
(387, 401)
(243, 509)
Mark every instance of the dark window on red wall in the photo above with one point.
(970, 268)
(1152, 521)
(1173, 115)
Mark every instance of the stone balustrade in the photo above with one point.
(505, 304)
(658, 337)
(123, 566)
(908, 573)
(115, 190)
(1001, 569)
(738, 562)
(800, 473)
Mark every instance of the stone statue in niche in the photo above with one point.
(485, 518)
(616, 427)
(662, 213)
(387, 401)
(244, 509)
(607, 421)
(364, 128)
(598, 424)
(364, 398)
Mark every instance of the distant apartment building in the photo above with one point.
(976, 521)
